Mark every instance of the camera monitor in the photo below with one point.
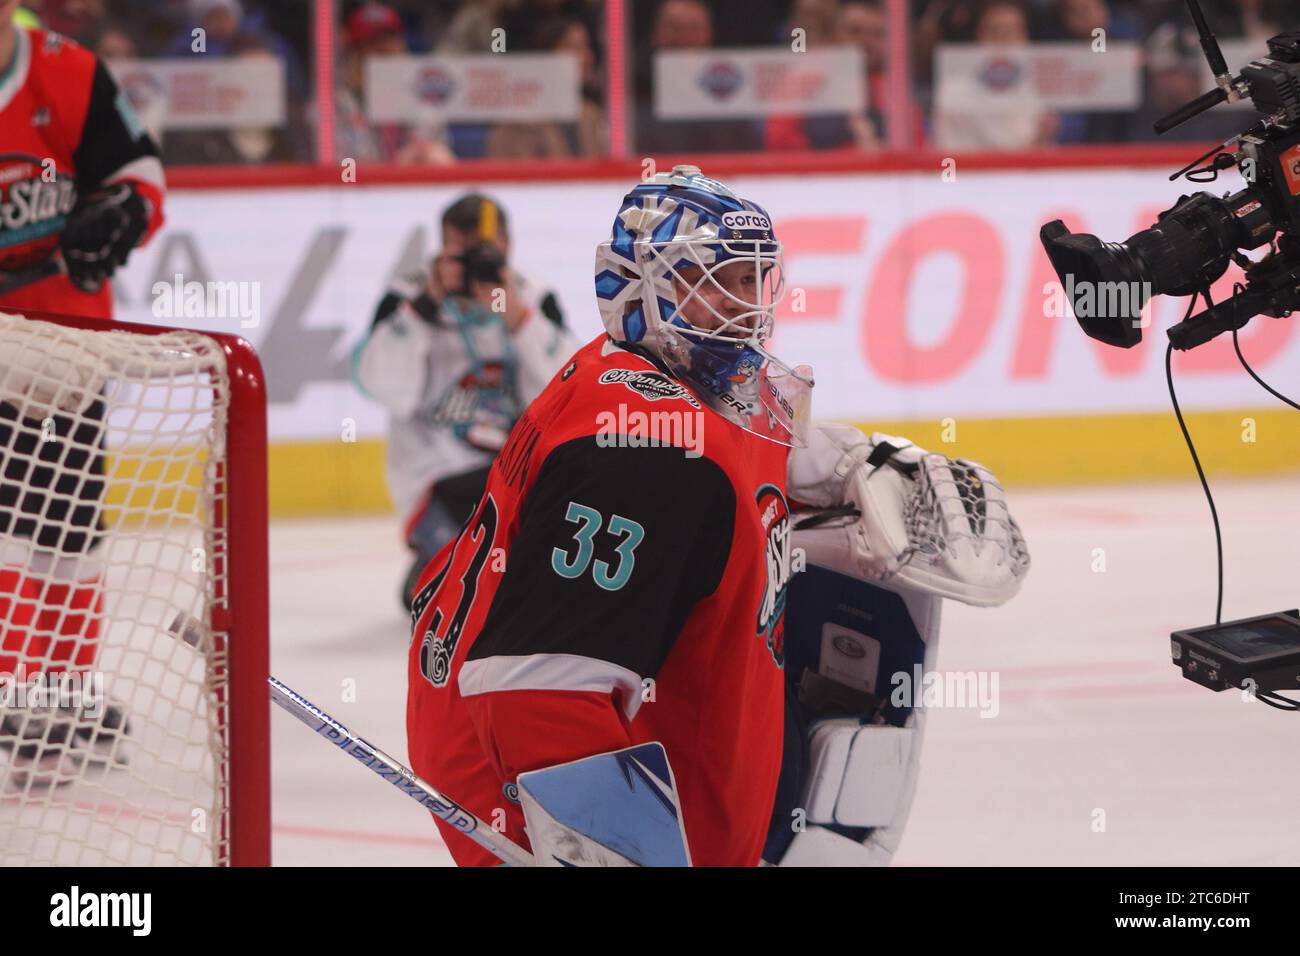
(1264, 650)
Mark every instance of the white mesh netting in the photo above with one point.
(111, 505)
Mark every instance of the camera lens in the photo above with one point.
(484, 263)
(1189, 247)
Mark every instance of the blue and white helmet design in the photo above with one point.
(693, 274)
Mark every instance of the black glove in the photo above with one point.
(101, 232)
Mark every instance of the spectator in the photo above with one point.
(151, 27)
(1175, 75)
(79, 19)
(1076, 21)
(817, 20)
(1224, 16)
(590, 136)
(971, 115)
(470, 29)
(1002, 23)
(222, 23)
(241, 145)
(426, 21)
(528, 24)
(114, 45)
(527, 141)
(864, 24)
(684, 25)
(228, 31)
(741, 23)
(950, 21)
(586, 137)
(1262, 19)
(219, 19)
(375, 29)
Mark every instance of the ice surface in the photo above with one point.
(1093, 716)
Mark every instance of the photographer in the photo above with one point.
(456, 356)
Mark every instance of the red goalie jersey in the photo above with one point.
(608, 592)
(67, 131)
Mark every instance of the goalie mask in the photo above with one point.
(693, 274)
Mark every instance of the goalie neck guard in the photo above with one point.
(693, 274)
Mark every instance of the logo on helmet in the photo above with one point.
(746, 220)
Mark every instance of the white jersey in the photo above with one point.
(454, 383)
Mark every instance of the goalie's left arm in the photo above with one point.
(925, 521)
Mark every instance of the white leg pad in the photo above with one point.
(857, 773)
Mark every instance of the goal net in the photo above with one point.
(133, 660)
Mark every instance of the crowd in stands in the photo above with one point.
(1172, 69)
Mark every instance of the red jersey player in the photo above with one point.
(80, 186)
(80, 179)
(622, 580)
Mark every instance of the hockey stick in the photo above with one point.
(12, 281)
(399, 776)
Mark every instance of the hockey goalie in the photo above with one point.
(666, 633)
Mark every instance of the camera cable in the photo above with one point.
(1272, 698)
